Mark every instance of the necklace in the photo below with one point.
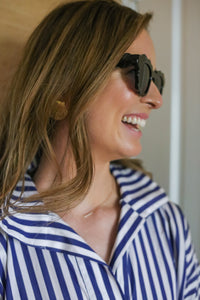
(92, 211)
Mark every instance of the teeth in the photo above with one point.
(129, 120)
(125, 118)
(134, 120)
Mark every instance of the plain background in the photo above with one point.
(19, 17)
(156, 141)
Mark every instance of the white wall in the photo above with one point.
(156, 137)
(190, 181)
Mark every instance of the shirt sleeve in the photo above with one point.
(192, 269)
(3, 263)
(185, 259)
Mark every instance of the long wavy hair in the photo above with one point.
(68, 57)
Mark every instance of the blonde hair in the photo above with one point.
(68, 57)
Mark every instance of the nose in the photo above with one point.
(153, 98)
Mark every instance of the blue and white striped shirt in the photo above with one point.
(41, 257)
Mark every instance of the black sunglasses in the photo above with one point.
(142, 73)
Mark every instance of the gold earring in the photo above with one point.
(60, 111)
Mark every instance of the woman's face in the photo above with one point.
(110, 137)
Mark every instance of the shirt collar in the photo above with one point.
(140, 197)
(138, 191)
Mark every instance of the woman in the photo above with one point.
(74, 225)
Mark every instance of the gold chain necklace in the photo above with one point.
(92, 211)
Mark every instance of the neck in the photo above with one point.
(103, 192)
(103, 189)
(47, 172)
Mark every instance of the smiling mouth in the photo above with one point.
(136, 122)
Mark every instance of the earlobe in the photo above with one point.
(60, 111)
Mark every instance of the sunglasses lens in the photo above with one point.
(144, 80)
(139, 80)
(158, 79)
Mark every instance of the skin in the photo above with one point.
(109, 139)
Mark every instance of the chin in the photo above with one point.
(130, 152)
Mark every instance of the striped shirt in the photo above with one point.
(42, 257)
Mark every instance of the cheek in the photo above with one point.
(116, 99)
(116, 88)
(109, 106)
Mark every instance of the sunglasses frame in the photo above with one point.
(140, 62)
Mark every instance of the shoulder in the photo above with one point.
(172, 214)
(3, 258)
(173, 228)
(152, 203)
(176, 225)
(171, 217)
(182, 249)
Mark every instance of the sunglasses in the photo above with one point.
(140, 72)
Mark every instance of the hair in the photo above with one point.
(68, 57)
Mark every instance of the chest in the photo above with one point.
(98, 229)
(45, 274)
